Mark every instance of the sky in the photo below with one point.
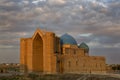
(95, 22)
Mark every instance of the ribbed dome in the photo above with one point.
(67, 39)
(84, 46)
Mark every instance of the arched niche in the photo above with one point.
(37, 53)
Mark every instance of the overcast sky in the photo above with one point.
(95, 22)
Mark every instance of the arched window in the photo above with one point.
(77, 63)
(96, 65)
(74, 51)
(83, 65)
(69, 64)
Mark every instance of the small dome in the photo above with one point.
(67, 39)
(84, 46)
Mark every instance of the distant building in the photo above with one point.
(45, 52)
(113, 68)
(8, 67)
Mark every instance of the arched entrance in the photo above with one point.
(37, 54)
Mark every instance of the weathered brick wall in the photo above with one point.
(29, 53)
(78, 63)
(50, 56)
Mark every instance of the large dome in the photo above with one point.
(67, 39)
(84, 46)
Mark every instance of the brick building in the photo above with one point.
(44, 52)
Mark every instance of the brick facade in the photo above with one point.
(44, 53)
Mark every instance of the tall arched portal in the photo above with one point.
(37, 54)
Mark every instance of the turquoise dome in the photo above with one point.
(67, 39)
(84, 46)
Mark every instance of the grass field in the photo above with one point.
(59, 77)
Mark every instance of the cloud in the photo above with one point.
(95, 22)
(56, 2)
(37, 1)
